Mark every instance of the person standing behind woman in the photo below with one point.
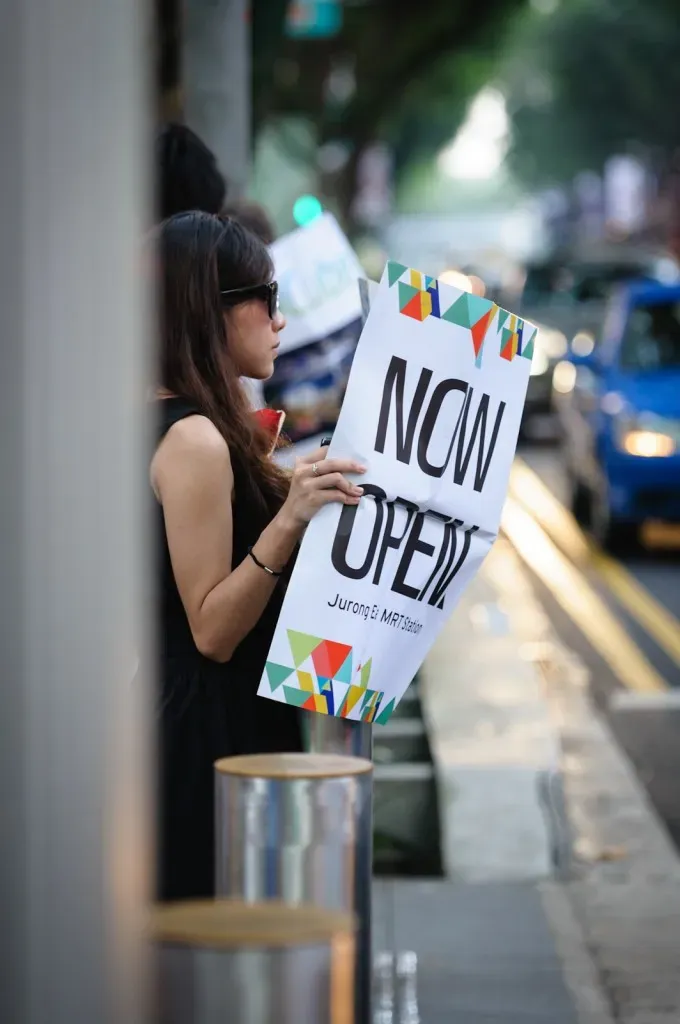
(254, 217)
(229, 524)
(187, 174)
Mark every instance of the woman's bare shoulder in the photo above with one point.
(192, 446)
(197, 435)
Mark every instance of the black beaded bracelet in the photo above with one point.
(261, 565)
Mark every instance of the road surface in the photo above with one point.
(621, 617)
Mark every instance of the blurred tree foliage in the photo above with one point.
(433, 107)
(397, 71)
(592, 79)
(386, 46)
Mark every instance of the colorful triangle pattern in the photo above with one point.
(305, 680)
(302, 645)
(324, 678)
(384, 715)
(459, 312)
(480, 328)
(329, 657)
(420, 297)
(511, 338)
(277, 674)
(354, 694)
(478, 306)
(407, 292)
(433, 290)
(527, 350)
(344, 673)
(419, 306)
(298, 698)
(366, 672)
(502, 317)
(395, 271)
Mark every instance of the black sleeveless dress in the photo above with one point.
(208, 710)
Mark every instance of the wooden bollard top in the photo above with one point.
(231, 924)
(293, 766)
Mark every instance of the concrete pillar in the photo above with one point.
(216, 85)
(73, 729)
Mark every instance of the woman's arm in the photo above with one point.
(194, 481)
(192, 476)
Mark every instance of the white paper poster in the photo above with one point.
(317, 271)
(433, 409)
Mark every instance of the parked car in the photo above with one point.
(567, 301)
(550, 345)
(619, 412)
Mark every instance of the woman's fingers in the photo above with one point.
(331, 466)
(319, 458)
(327, 495)
(318, 481)
(318, 455)
(336, 481)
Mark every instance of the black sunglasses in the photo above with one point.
(268, 293)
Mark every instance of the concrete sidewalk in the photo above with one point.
(493, 742)
(486, 953)
(561, 902)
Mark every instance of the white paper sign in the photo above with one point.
(317, 271)
(433, 409)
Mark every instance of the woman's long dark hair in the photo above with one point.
(200, 255)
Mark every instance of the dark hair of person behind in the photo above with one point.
(188, 177)
(200, 255)
(254, 217)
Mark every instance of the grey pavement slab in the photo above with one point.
(485, 952)
(493, 743)
(506, 704)
(625, 889)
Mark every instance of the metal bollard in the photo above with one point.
(325, 734)
(287, 827)
(383, 978)
(218, 961)
(407, 987)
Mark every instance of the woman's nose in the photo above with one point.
(279, 321)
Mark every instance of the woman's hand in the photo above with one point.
(316, 481)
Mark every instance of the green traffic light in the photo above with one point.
(306, 209)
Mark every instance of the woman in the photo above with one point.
(230, 524)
